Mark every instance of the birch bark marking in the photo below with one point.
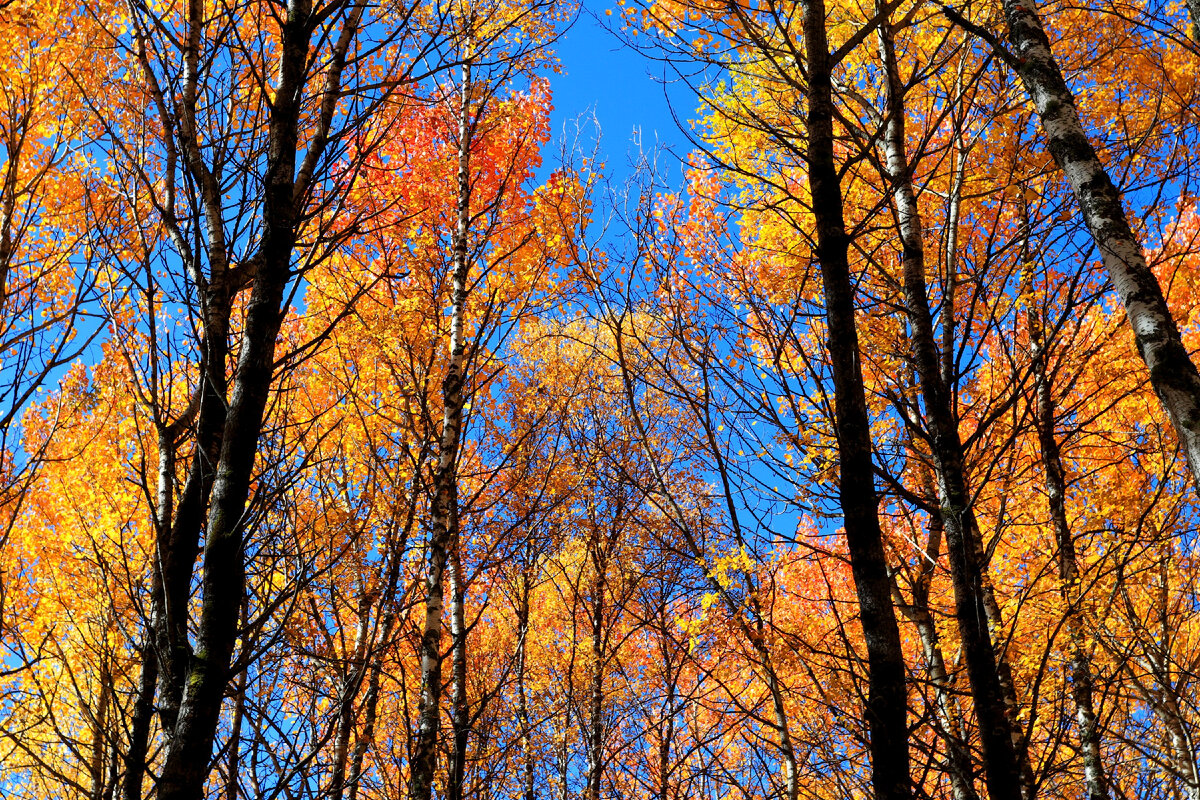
(1194, 14)
(445, 483)
(1172, 372)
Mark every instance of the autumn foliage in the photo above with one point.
(364, 436)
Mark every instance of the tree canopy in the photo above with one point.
(364, 437)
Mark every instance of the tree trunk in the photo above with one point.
(1194, 15)
(1079, 664)
(1068, 572)
(388, 601)
(594, 734)
(1172, 372)
(666, 737)
(887, 701)
(1183, 754)
(958, 756)
(370, 710)
(347, 710)
(998, 736)
(143, 717)
(186, 767)
(791, 769)
(459, 711)
(445, 481)
(100, 738)
(179, 543)
(233, 776)
(526, 725)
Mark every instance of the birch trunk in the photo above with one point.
(1172, 372)
(1183, 754)
(1079, 662)
(459, 711)
(999, 736)
(958, 756)
(423, 764)
(1194, 15)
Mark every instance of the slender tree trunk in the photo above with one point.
(526, 725)
(347, 710)
(887, 700)
(666, 737)
(459, 711)
(1068, 572)
(370, 712)
(143, 717)
(564, 786)
(1008, 685)
(949, 293)
(370, 704)
(445, 483)
(1079, 664)
(387, 601)
(1183, 754)
(595, 719)
(233, 771)
(100, 738)
(998, 737)
(1172, 372)
(181, 543)
(1153, 661)
(179, 526)
(958, 756)
(791, 769)
(114, 771)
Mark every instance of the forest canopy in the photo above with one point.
(367, 435)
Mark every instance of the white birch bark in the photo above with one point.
(1172, 372)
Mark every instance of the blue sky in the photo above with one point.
(624, 89)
